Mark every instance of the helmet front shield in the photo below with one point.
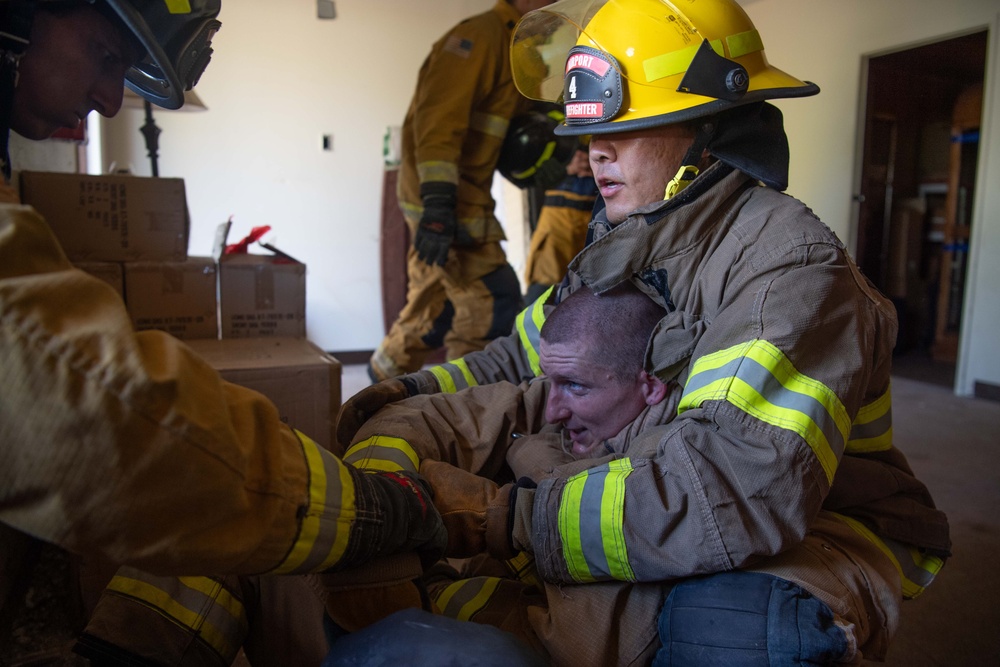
(541, 42)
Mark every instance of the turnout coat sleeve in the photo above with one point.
(130, 447)
(472, 429)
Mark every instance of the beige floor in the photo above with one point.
(953, 444)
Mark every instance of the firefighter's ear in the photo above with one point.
(654, 389)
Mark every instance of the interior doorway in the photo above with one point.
(921, 139)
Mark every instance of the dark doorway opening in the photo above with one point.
(921, 141)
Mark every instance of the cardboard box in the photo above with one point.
(109, 272)
(111, 218)
(176, 297)
(299, 378)
(261, 296)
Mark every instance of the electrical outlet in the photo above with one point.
(325, 9)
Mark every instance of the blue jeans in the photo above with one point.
(417, 637)
(746, 619)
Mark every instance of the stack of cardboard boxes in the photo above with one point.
(244, 313)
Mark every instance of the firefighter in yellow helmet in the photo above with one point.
(127, 446)
(775, 492)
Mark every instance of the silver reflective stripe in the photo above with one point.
(491, 124)
(331, 540)
(757, 378)
(776, 393)
(464, 598)
(871, 429)
(454, 376)
(383, 452)
(204, 606)
(438, 171)
(325, 527)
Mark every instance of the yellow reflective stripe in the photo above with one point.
(591, 523)
(760, 380)
(491, 124)
(383, 452)
(411, 211)
(674, 62)
(547, 152)
(743, 43)
(872, 428)
(436, 170)
(343, 523)
(677, 62)
(522, 566)
(220, 620)
(612, 521)
(916, 569)
(322, 538)
(454, 376)
(569, 527)
(463, 599)
(178, 6)
(529, 329)
(445, 382)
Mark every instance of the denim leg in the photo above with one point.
(746, 619)
(417, 637)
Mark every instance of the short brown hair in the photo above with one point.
(613, 328)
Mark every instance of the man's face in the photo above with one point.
(632, 169)
(586, 397)
(76, 63)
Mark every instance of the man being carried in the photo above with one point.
(594, 399)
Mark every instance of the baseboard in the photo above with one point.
(352, 357)
(988, 391)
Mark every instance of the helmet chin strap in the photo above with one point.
(16, 28)
(689, 165)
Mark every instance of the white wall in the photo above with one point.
(825, 42)
(281, 78)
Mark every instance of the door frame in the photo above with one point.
(963, 382)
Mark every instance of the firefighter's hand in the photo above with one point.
(438, 225)
(478, 514)
(549, 174)
(359, 408)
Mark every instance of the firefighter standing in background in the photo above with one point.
(127, 446)
(462, 292)
(562, 226)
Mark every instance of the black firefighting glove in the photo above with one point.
(438, 229)
(549, 174)
(395, 514)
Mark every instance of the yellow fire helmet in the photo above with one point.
(622, 65)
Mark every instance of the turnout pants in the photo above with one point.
(833, 599)
(463, 305)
